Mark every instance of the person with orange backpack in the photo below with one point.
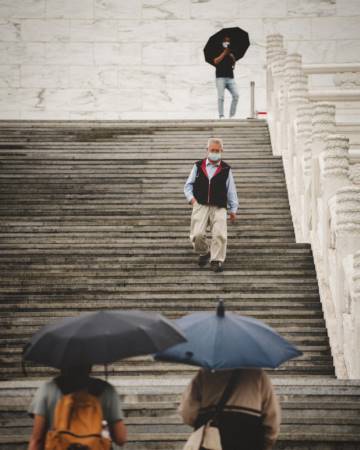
(70, 412)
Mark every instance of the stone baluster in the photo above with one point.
(334, 175)
(355, 314)
(274, 43)
(348, 214)
(323, 124)
(302, 167)
(277, 68)
(346, 241)
(274, 46)
(335, 158)
(297, 95)
(279, 74)
(356, 280)
(278, 62)
(298, 89)
(351, 322)
(293, 66)
(292, 72)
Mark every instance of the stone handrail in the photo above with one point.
(335, 95)
(324, 198)
(331, 68)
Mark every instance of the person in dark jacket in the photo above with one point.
(210, 189)
(250, 418)
(225, 64)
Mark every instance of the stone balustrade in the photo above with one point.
(322, 169)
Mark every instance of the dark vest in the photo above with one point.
(215, 192)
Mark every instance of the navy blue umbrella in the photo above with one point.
(228, 341)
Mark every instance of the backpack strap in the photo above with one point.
(229, 389)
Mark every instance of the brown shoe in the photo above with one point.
(204, 259)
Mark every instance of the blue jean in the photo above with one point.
(223, 83)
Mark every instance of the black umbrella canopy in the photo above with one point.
(101, 338)
(239, 43)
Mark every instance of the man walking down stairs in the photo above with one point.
(92, 216)
(210, 189)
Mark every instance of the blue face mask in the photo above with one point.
(214, 156)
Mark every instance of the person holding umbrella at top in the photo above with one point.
(225, 64)
(222, 50)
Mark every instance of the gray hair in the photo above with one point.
(215, 141)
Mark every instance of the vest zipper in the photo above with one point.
(209, 193)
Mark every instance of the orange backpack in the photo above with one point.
(77, 424)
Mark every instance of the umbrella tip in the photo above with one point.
(220, 309)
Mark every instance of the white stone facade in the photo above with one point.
(139, 59)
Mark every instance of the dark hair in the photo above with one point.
(74, 378)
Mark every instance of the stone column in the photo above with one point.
(302, 169)
(352, 316)
(297, 95)
(346, 242)
(334, 175)
(355, 314)
(293, 69)
(277, 98)
(323, 124)
(274, 45)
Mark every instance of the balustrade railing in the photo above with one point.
(321, 167)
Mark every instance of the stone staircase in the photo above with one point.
(317, 413)
(92, 216)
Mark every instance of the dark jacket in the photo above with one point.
(212, 193)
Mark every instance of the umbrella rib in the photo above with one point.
(70, 340)
(255, 342)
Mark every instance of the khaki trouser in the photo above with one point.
(201, 217)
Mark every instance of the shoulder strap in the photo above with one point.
(227, 392)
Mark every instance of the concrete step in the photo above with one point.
(310, 414)
(285, 249)
(165, 276)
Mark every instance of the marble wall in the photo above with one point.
(142, 59)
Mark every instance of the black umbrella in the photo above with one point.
(239, 43)
(101, 338)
